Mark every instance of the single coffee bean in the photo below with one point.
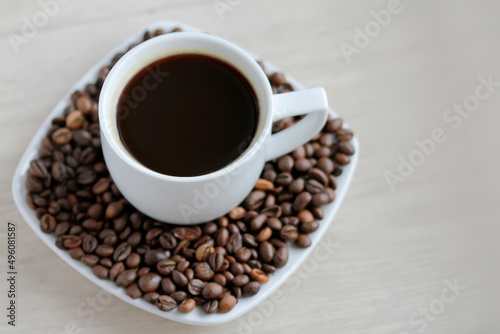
(203, 271)
(320, 199)
(211, 306)
(280, 257)
(166, 266)
(305, 216)
(284, 179)
(62, 136)
(72, 241)
(303, 165)
(264, 235)
(259, 276)
(314, 186)
(133, 291)
(301, 201)
(263, 184)
(285, 163)
(166, 303)
(274, 223)
(186, 233)
(133, 260)
(243, 254)
(251, 289)
(187, 305)
(179, 278)
(125, 278)
(75, 120)
(346, 148)
(113, 210)
(48, 224)
(241, 280)
(151, 297)
(89, 259)
(342, 159)
(227, 303)
(84, 104)
(255, 199)
(278, 79)
(266, 252)
(319, 175)
(234, 243)
(167, 241)
(344, 135)
(100, 271)
(149, 282)
(236, 214)
(122, 251)
(269, 175)
(289, 233)
(333, 125)
(76, 253)
(326, 165)
(203, 252)
(303, 241)
(167, 285)
(195, 286)
(212, 291)
(89, 243)
(38, 169)
(115, 270)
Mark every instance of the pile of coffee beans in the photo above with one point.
(212, 264)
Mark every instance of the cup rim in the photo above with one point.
(262, 82)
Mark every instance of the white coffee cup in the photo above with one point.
(190, 200)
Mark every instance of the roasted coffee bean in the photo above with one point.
(186, 233)
(309, 227)
(101, 186)
(344, 135)
(314, 186)
(345, 148)
(258, 222)
(127, 277)
(259, 276)
(303, 241)
(301, 201)
(195, 286)
(59, 172)
(84, 104)
(243, 254)
(167, 241)
(62, 136)
(241, 280)
(305, 216)
(289, 233)
(203, 252)
(89, 243)
(269, 175)
(106, 262)
(133, 291)
(149, 282)
(278, 79)
(179, 278)
(151, 297)
(274, 224)
(280, 257)
(38, 169)
(211, 306)
(234, 243)
(89, 259)
(297, 186)
(236, 213)
(113, 210)
(71, 241)
(133, 260)
(251, 289)
(167, 285)
(342, 159)
(227, 303)
(122, 251)
(255, 199)
(187, 305)
(153, 256)
(263, 184)
(320, 199)
(166, 266)
(216, 260)
(284, 179)
(264, 235)
(100, 271)
(165, 303)
(75, 120)
(319, 175)
(203, 271)
(143, 271)
(212, 291)
(266, 252)
(285, 163)
(333, 125)
(48, 224)
(76, 253)
(115, 270)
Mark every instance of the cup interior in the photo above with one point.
(174, 44)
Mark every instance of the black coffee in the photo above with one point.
(187, 115)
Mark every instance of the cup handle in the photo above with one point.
(308, 101)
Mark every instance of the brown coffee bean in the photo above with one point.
(187, 305)
(62, 136)
(258, 222)
(133, 291)
(165, 303)
(166, 266)
(236, 213)
(149, 282)
(314, 186)
(186, 233)
(89, 260)
(269, 175)
(220, 279)
(251, 289)
(114, 209)
(122, 252)
(330, 193)
(326, 165)
(203, 252)
(71, 241)
(243, 254)
(285, 163)
(100, 271)
(272, 211)
(167, 285)
(75, 253)
(303, 241)
(274, 224)
(179, 278)
(38, 169)
(89, 243)
(167, 241)
(216, 261)
(289, 233)
(255, 199)
(305, 216)
(263, 184)
(48, 224)
(59, 172)
(342, 159)
(234, 243)
(125, 278)
(345, 147)
(319, 175)
(320, 199)
(241, 280)
(212, 291)
(344, 135)
(264, 234)
(277, 79)
(84, 104)
(301, 201)
(227, 303)
(280, 257)
(284, 179)
(151, 297)
(74, 120)
(333, 125)
(266, 252)
(133, 260)
(211, 306)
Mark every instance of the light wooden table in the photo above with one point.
(395, 250)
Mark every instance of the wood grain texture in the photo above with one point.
(393, 249)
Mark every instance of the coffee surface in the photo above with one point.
(187, 115)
